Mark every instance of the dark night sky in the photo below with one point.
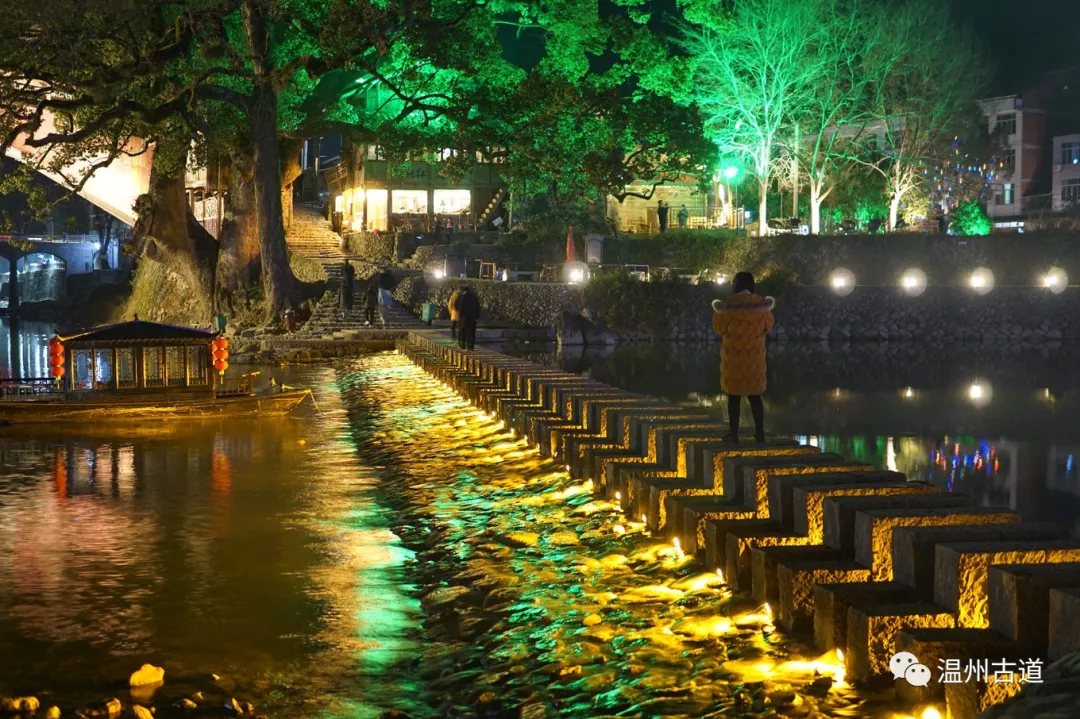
(1024, 37)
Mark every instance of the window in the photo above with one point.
(174, 365)
(1070, 191)
(1008, 158)
(451, 202)
(446, 153)
(125, 367)
(154, 366)
(375, 152)
(197, 364)
(376, 209)
(409, 201)
(1007, 194)
(103, 369)
(1070, 153)
(1006, 123)
(82, 375)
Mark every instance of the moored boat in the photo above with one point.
(136, 371)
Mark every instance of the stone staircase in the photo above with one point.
(853, 559)
(312, 236)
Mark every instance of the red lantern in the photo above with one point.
(221, 355)
(57, 371)
(55, 341)
(56, 360)
(221, 365)
(220, 343)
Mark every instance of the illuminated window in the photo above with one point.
(375, 152)
(452, 202)
(82, 370)
(410, 202)
(174, 365)
(154, 366)
(376, 209)
(1007, 194)
(1070, 190)
(446, 153)
(197, 364)
(103, 369)
(125, 367)
(1070, 153)
(1008, 158)
(1006, 123)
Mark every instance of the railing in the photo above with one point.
(15, 388)
(242, 385)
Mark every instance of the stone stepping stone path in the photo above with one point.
(851, 558)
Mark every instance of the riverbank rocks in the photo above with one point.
(147, 674)
(19, 705)
(52, 713)
(142, 712)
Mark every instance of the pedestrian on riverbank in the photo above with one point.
(348, 287)
(386, 283)
(371, 303)
(468, 308)
(742, 320)
(455, 318)
(661, 215)
(684, 217)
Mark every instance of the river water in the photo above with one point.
(263, 551)
(258, 551)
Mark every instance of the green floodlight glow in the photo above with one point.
(730, 172)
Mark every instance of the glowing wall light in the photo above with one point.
(842, 281)
(979, 393)
(913, 282)
(1055, 280)
(981, 281)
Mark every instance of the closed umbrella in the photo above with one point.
(571, 254)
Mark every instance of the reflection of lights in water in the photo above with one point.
(979, 393)
(890, 455)
(908, 393)
(1046, 395)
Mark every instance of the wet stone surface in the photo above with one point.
(541, 601)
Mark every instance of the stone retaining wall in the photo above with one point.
(683, 312)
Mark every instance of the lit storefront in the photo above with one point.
(370, 195)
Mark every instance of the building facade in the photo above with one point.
(1021, 130)
(1066, 164)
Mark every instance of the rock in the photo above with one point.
(141, 712)
(592, 620)
(234, 706)
(113, 707)
(562, 539)
(535, 711)
(52, 713)
(570, 329)
(442, 596)
(147, 674)
(186, 704)
(518, 539)
(16, 705)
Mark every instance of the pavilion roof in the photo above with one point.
(138, 331)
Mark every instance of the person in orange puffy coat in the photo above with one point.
(742, 320)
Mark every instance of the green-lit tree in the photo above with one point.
(927, 76)
(755, 69)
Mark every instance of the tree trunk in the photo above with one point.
(167, 233)
(278, 280)
(763, 208)
(239, 264)
(815, 208)
(894, 209)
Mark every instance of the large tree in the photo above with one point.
(927, 76)
(755, 70)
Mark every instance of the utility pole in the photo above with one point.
(795, 175)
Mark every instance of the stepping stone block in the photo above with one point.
(796, 579)
(870, 632)
(663, 495)
(968, 700)
(960, 572)
(1019, 602)
(913, 573)
(1064, 623)
(934, 646)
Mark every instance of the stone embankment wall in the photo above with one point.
(682, 312)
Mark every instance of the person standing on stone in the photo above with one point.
(371, 303)
(455, 318)
(468, 308)
(348, 276)
(661, 215)
(684, 216)
(742, 320)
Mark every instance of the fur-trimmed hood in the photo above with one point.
(744, 303)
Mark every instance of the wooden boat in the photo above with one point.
(138, 371)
